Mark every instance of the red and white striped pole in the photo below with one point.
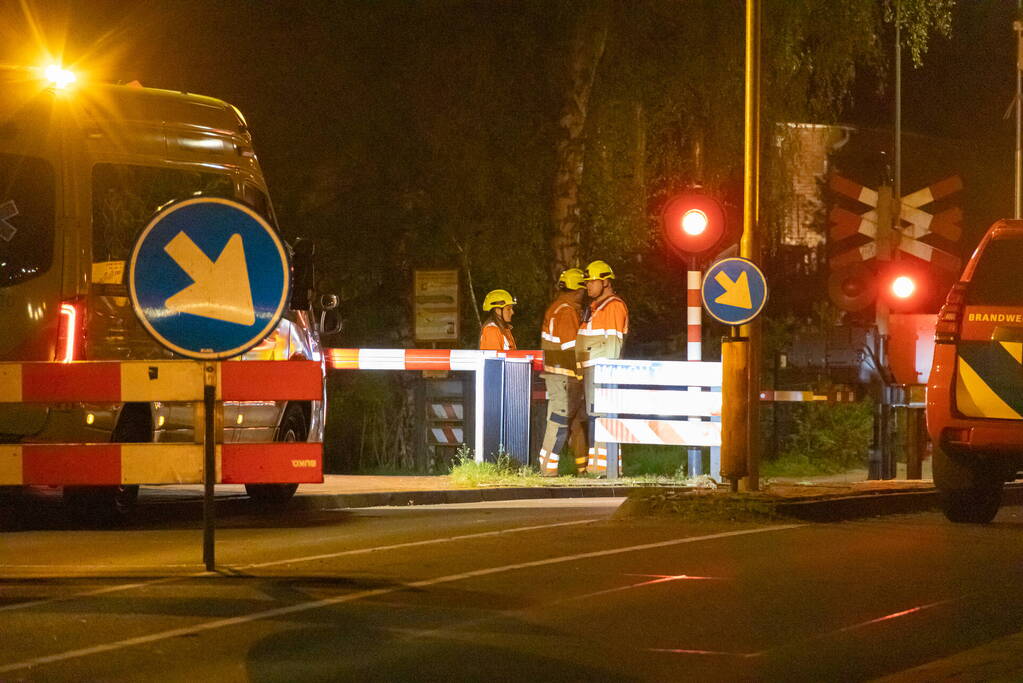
(694, 349)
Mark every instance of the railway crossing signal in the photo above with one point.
(895, 249)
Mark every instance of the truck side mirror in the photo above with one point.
(330, 317)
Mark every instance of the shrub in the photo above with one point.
(828, 438)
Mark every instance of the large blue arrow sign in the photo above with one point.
(209, 278)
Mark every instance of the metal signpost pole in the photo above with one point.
(734, 293)
(231, 288)
(209, 465)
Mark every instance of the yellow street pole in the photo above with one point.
(749, 246)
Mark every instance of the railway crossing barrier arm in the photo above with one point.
(500, 381)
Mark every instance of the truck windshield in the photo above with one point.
(27, 210)
(125, 197)
(995, 280)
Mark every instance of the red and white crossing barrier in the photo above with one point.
(108, 464)
(421, 359)
(454, 360)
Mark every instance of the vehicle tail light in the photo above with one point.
(946, 331)
(69, 332)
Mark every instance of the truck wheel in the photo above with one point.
(293, 428)
(110, 504)
(970, 489)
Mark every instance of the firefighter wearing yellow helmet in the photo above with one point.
(602, 334)
(566, 418)
(496, 334)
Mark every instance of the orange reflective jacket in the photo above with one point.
(560, 327)
(603, 334)
(493, 338)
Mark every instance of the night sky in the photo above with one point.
(293, 65)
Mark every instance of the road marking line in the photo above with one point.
(351, 597)
(357, 551)
(819, 636)
(414, 544)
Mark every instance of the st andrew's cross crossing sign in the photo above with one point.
(209, 278)
(734, 291)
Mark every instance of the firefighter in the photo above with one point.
(565, 414)
(496, 334)
(601, 335)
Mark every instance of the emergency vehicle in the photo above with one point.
(975, 390)
(83, 168)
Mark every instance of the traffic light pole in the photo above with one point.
(694, 349)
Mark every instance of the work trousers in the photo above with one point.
(597, 461)
(565, 421)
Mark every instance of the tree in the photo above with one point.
(587, 48)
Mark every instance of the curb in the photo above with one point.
(880, 503)
(823, 508)
(449, 497)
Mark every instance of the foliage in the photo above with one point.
(440, 136)
(829, 438)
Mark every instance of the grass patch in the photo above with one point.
(504, 471)
(699, 506)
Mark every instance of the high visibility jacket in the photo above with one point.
(493, 338)
(558, 336)
(602, 333)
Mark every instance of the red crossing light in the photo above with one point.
(693, 224)
(903, 286)
(907, 286)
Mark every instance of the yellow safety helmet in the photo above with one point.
(498, 298)
(598, 270)
(573, 278)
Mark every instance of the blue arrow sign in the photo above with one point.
(734, 291)
(209, 278)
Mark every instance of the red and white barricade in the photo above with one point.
(105, 464)
(650, 402)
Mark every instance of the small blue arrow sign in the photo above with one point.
(209, 278)
(734, 291)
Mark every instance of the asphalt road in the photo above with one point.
(528, 590)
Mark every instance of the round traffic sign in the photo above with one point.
(734, 291)
(209, 278)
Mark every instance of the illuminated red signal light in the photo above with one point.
(693, 224)
(903, 287)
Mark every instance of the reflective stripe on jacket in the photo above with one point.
(493, 338)
(558, 338)
(603, 334)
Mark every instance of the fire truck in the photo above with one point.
(83, 169)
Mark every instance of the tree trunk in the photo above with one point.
(587, 50)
